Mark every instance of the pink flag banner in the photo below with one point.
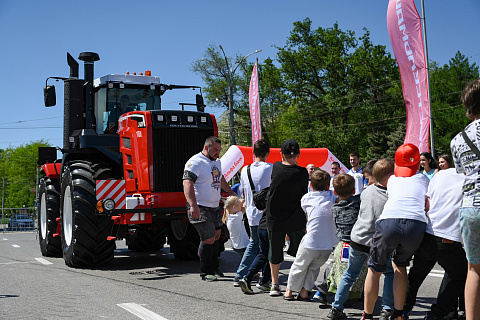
(254, 103)
(404, 28)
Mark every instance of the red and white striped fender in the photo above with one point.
(111, 189)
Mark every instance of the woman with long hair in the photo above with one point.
(444, 162)
(428, 165)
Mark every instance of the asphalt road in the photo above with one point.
(146, 286)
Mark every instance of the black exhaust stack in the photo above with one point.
(73, 103)
(78, 95)
(88, 59)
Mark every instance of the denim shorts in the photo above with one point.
(208, 223)
(470, 226)
(400, 237)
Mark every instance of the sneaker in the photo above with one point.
(245, 286)
(320, 297)
(235, 281)
(385, 314)
(363, 317)
(336, 314)
(210, 277)
(263, 286)
(219, 273)
(275, 290)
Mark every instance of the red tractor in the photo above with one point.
(120, 176)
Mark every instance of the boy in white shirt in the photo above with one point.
(400, 229)
(317, 245)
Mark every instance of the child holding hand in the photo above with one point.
(233, 218)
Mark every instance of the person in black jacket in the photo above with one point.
(284, 212)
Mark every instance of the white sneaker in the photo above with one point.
(275, 290)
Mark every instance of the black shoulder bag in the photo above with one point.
(259, 198)
(470, 144)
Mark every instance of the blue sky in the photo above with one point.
(167, 36)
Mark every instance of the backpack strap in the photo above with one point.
(470, 144)
(250, 179)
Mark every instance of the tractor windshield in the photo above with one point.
(111, 103)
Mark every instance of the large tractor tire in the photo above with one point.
(146, 239)
(183, 239)
(47, 214)
(84, 234)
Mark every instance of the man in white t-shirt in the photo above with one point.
(202, 183)
(261, 173)
(357, 172)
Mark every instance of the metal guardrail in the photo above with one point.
(19, 219)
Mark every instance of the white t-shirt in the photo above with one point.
(238, 235)
(261, 177)
(321, 229)
(445, 192)
(406, 198)
(209, 173)
(467, 162)
(359, 180)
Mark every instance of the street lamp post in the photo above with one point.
(230, 73)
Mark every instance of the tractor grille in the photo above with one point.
(172, 147)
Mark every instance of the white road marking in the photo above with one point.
(141, 312)
(13, 262)
(15, 246)
(5, 239)
(43, 261)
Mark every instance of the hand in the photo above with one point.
(195, 211)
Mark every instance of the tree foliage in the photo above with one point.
(331, 88)
(18, 169)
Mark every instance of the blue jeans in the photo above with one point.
(356, 260)
(261, 260)
(249, 254)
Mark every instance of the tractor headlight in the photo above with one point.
(108, 204)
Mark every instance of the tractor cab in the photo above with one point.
(117, 94)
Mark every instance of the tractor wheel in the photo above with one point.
(47, 214)
(183, 239)
(146, 239)
(84, 234)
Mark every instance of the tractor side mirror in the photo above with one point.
(49, 96)
(46, 155)
(200, 104)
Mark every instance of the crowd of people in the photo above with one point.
(375, 219)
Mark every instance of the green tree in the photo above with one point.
(215, 70)
(446, 84)
(18, 166)
(339, 88)
(330, 88)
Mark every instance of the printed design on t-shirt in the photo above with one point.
(468, 163)
(216, 176)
